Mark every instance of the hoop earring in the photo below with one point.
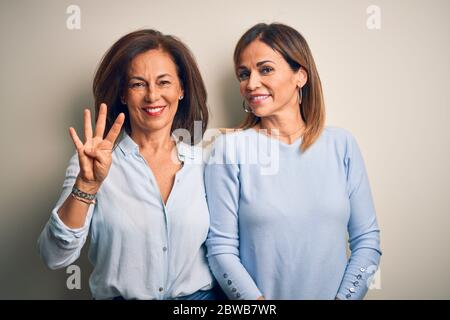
(300, 96)
(246, 109)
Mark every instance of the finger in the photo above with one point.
(101, 121)
(115, 129)
(76, 140)
(97, 154)
(84, 167)
(87, 125)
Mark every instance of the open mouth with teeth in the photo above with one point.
(258, 99)
(154, 111)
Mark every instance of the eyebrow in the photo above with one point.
(142, 79)
(257, 64)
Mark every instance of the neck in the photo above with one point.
(287, 126)
(153, 142)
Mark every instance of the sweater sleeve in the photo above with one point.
(363, 230)
(223, 193)
(59, 245)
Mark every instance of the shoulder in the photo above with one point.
(336, 133)
(229, 144)
(341, 141)
(233, 137)
(339, 137)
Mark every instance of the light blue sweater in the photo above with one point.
(281, 219)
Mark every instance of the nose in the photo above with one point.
(254, 81)
(151, 94)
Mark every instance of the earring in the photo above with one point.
(300, 92)
(181, 98)
(300, 96)
(246, 109)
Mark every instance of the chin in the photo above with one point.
(152, 126)
(262, 112)
(158, 125)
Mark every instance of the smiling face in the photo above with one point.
(267, 82)
(152, 92)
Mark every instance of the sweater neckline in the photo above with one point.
(296, 142)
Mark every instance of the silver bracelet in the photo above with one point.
(83, 200)
(81, 194)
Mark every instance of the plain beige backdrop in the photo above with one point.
(389, 87)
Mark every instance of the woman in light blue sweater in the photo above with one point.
(285, 194)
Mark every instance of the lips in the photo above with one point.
(258, 98)
(154, 110)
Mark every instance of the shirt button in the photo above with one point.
(160, 289)
(229, 282)
(352, 290)
(348, 296)
(358, 277)
(164, 249)
(238, 295)
(356, 283)
(225, 275)
(233, 290)
(362, 269)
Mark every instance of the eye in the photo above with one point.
(164, 83)
(243, 75)
(266, 70)
(137, 85)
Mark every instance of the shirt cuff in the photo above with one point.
(357, 279)
(233, 278)
(67, 237)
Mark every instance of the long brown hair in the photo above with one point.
(111, 78)
(295, 50)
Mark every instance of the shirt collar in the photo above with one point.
(128, 146)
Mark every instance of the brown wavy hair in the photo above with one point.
(111, 78)
(295, 50)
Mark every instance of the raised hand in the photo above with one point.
(95, 154)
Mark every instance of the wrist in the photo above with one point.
(87, 186)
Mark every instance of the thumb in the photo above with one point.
(96, 154)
